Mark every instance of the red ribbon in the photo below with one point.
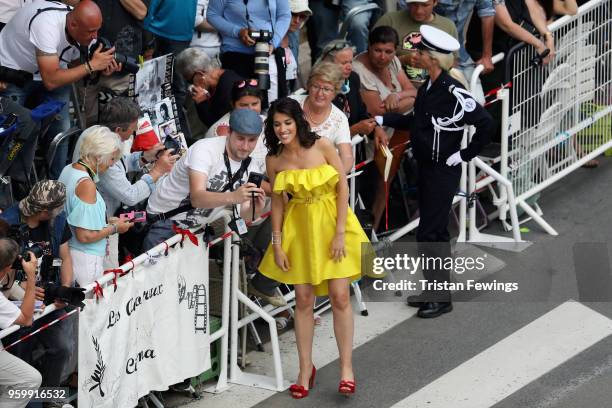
(115, 272)
(386, 205)
(185, 233)
(98, 291)
(494, 91)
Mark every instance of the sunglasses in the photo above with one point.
(242, 84)
(337, 47)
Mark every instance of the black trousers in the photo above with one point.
(437, 185)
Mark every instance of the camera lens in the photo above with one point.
(262, 61)
(128, 64)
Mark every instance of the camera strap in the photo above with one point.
(65, 8)
(232, 179)
(246, 8)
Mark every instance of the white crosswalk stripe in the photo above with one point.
(515, 361)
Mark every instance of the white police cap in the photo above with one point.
(434, 39)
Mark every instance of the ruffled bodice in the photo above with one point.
(304, 183)
(309, 226)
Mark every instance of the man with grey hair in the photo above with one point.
(14, 372)
(210, 86)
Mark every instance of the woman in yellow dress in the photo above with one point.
(316, 238)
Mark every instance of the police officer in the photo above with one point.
(442, 109)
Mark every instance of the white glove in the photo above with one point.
(454, 159)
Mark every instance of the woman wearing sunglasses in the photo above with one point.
(244, 95)
(360, 121)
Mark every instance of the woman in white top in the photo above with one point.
(324, 118)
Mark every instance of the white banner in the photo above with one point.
(150, 333)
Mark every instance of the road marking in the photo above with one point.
(515, 361)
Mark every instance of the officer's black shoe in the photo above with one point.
(434, 309)
(415, 301)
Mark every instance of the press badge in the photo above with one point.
(238, 225)
(57, 261)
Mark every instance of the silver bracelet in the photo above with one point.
(276, 238)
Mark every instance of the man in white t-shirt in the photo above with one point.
(199, 183)
(15, 373)
(37, 45)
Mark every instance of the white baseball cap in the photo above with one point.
(299, 6)
(416, 1)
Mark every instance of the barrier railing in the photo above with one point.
(107, 281)
(560, 113)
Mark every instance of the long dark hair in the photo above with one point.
(291, 108)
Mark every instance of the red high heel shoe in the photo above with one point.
(346, 387)
(298, 391)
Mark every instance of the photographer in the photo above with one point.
(121, 116)
(242, 24)
(36, 47)
(122, 26)
(38, 222)
(16, 373)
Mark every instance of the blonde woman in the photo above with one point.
(442, 109)
(324, 118)
(85, 207)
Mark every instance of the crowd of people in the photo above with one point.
(398, 79)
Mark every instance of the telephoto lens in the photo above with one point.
(262, 57)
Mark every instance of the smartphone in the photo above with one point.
(255, 178)
(134, 216)
(171, 143)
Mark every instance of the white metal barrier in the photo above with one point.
(552, 105)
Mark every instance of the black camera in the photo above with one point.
(72, 296)
(15, 76)
(129, 64)
(25, 255)
(262, 57)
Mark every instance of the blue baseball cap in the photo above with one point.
(246, 122)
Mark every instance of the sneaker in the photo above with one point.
(274, 300)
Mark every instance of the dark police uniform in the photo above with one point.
(441, 110)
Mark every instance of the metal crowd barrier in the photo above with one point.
(560, 113)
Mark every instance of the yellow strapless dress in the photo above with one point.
(309, 225)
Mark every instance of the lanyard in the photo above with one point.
(90, 172)
(232, 179)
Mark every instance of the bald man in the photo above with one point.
(37, 47)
